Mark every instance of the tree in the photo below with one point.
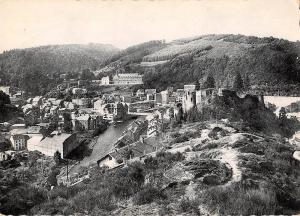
(209, 82)
(52, 178)
(4, 98)
(238, 83)
(197, 85)
(128, 154)
(282, 115)
(67, 122)
(247, 84)
(5, 145)
(179, 115)
(87, 75)
(57, 157)
(47, 131)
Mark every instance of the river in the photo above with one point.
(105, 143)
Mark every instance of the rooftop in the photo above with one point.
(55, 138)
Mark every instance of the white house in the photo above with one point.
(105, 80)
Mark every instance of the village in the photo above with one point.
(52, 125)
(60, 126)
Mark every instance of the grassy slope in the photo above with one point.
(227, 171)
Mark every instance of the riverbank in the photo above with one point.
(101, 145)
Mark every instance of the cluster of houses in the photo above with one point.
(162, 109)
(41, 113)
(84, 114)
(35, 138)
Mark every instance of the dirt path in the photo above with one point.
(190, 192)
(229, 157)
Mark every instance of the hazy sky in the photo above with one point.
(27, 23)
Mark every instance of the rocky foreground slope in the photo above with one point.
(210, 168)
(224, 170)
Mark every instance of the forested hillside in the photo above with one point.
(37, 69)
(266, 62)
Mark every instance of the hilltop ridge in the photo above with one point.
(266, 61)
(45, 64)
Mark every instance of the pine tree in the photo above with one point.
(238, 83)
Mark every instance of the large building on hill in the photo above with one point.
(128, 79)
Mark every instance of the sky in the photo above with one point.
(29, 23)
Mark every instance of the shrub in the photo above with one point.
(163, 159)
(88, 200)
(175, 134)
(189, 205)
(151, 163)
(57, 157)
(136, 172)
(148, 194)
(163, 156)
(237, 200)
(282, 166)
(180, 139)
(206, 146)
(125, 182)
(52, 180)
(120, 184)
(21, 199)
(63, 192)
(216, 133)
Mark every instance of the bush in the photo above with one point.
(175, 134)
(123, 183)
(206, 146)
(63, 192)
(237, 200)
(216, 133)
(180, 139)
(189, 205)
(148, 194)
(88, 200)
(21, 199)
(151, 163)
(169, 157)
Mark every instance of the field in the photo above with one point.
(216, 48)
